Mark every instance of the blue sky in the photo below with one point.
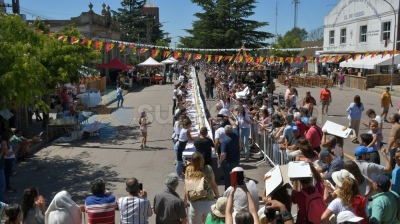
(179, 13)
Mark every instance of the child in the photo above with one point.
(14, 214)
(376, 141)
(119, 95)
(396, 173)
(143, 128)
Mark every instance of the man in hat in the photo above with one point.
(386, 100)
(384, 205)
(292, 149)
(367, 168)
(168, 206)
(203, 145)
(331, 164)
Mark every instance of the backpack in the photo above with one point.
(359, 204)
(315, 206)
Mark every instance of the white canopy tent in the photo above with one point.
(348, 62)
(150, 62)
(170, 60)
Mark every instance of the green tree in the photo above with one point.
(225, 24)
(286, 42)
(135, 24)
(302, 34)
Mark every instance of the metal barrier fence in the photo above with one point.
(266, 143)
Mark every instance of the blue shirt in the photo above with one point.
(354, 111)
(231, 147)
(396, 179)
(305, 120)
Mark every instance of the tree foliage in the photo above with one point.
(34, 62)
(316, 34)
(291, 39)
(135, 24)
(225, 24)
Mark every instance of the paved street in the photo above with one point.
(72, 166)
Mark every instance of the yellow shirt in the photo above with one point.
(385, 99)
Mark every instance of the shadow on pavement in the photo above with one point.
(57, 173)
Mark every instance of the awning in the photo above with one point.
(115, 63)
(150, 62)
(349, 62)
(370, 62)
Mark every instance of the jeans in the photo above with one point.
(65, 106)
(179, 147)
(198, 211)
(227, 168)
(120, 98)
(8, 165)
(173, 106)
(2, 185)
(244, 137)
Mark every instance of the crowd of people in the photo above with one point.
(339, 191)
(363, 187)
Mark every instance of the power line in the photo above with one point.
(33, 13)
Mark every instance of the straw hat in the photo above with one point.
(219, 207)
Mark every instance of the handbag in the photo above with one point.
(195, 189)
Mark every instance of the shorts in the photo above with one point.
(385, 109)
(341, 83)
(325, 102)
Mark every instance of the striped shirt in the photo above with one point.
(134, 210)
(101, 209)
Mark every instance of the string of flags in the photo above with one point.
(100, 44)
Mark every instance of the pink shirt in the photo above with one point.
(314, 135)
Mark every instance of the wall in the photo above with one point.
(351, 15)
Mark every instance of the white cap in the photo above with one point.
(237, 169)
(347, 216)
(339, 176)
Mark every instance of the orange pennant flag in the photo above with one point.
(190, 56)
(220, 58)
(186, 55)
(166, 54)
(142, 50)
(74, 40)
(134, 50)
(240, 58)
(199, 56)
(297, 59)
(60, 37)
(109, 46)
(373, 54)
(392, 53)
(84, 40)
(257, 60)
(226, 58)
(177, 54)
(261, 59)
(121, 47)
(230, 58)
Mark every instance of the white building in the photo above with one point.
(360, 26)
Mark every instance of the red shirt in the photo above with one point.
(299, 199)
(325, 94)
(64, 97)
(314, 135)
(303, 128)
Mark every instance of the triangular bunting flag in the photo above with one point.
(60, 37)
(177, 54)
(74, 40)
(186, 55)
(142, 50)
(89, 43)
(84, 40)
(209, 58)
(121, 47)
(220, 58)
(230, 58)
(261, 59)
(166, 54)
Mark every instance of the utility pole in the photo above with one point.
(296, 11)
(276, 22)
(15, 7)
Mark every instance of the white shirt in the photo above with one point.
(241, 120)
(12, 155)
(225, 105)
(174, 94)
(134, 210)
(336, 206)
(224, 112)
(82, 88)
(181, 78)
(378, 119)
(220, 134)
(183, 135)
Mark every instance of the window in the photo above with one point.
(385, 31)
(363, 34)
(332, 37)
(343, 36)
